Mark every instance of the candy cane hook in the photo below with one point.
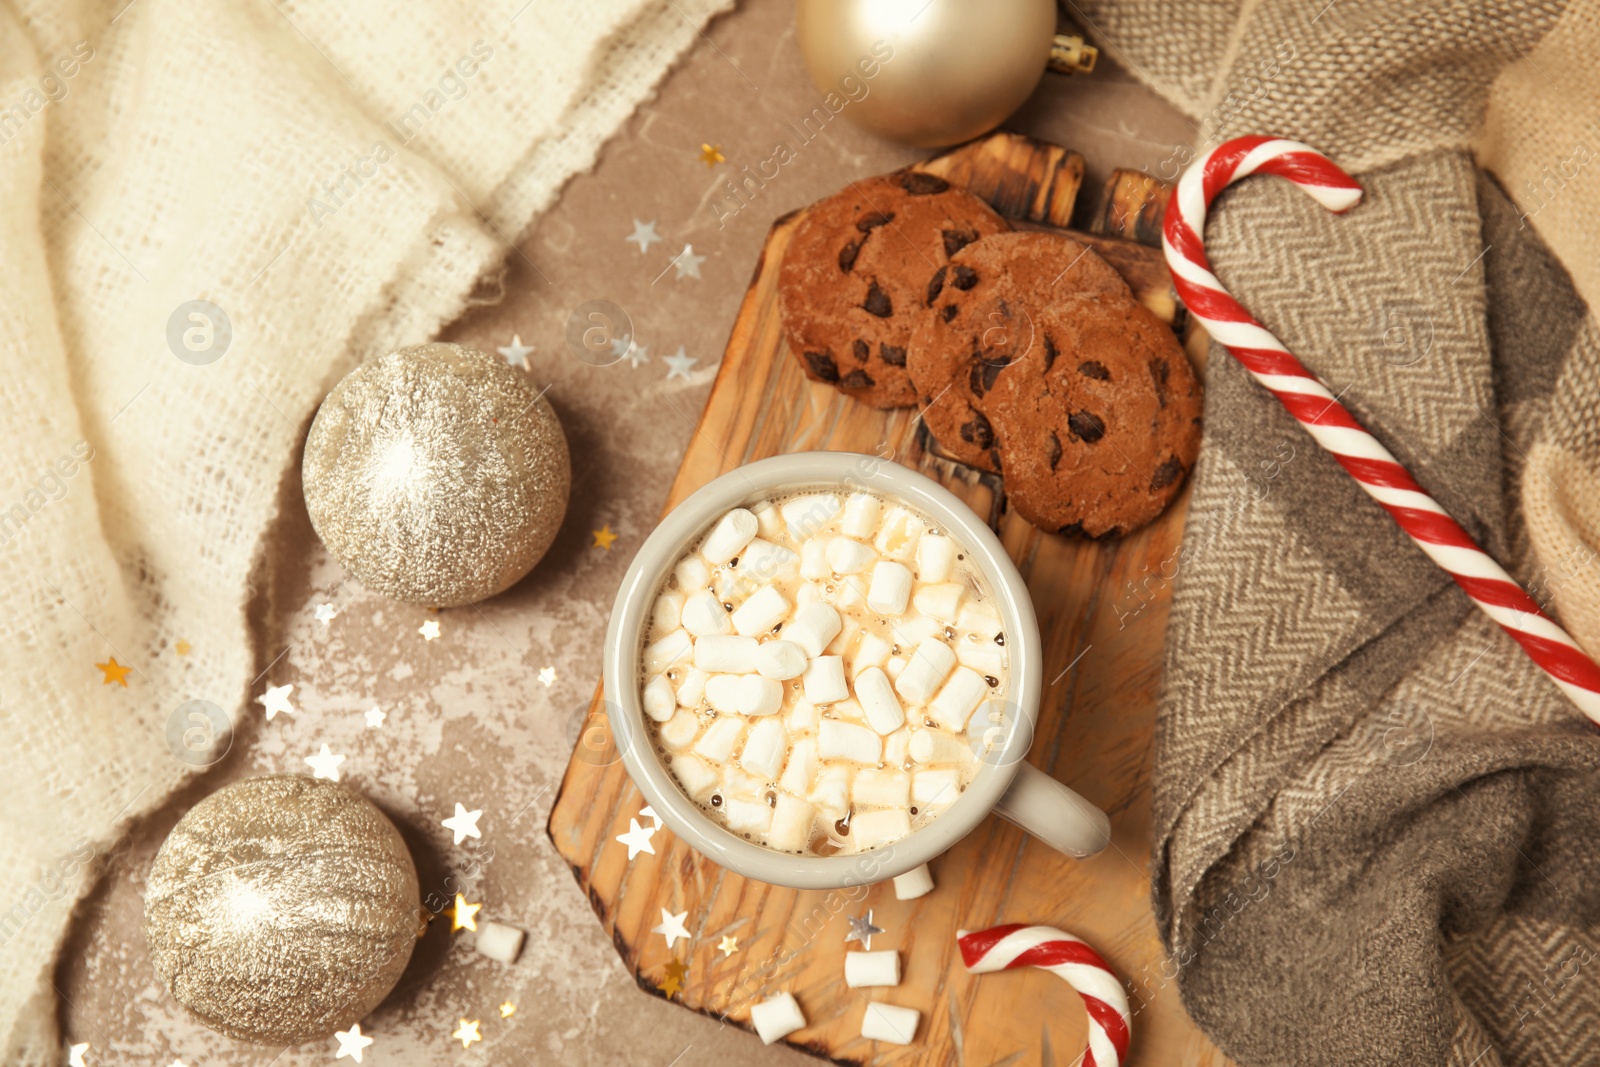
(1327, 420)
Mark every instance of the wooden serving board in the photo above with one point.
(1102, 610)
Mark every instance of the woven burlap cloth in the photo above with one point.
(1375, 820)
(337, 178)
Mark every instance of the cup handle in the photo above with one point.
(1054, 814)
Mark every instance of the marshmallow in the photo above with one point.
(814, 560)
(982, 655)
(806, 516)
(831, 791)
(877, 698)
(765, 609)
(933, 746)
(763, 749)
(691, 574)
(800, 768)
(746, 816)
(913, 884)
(890, 589)
(668, 612)
(824, 680)
(886, 1022)
(848, 629)
(769, 521)
(861, 514)
(803, 717)
(658, 699)
(865, 970)
(909, 631)
(693, 688)
(776, 1017)
(935, 789)
(871, 651)
(873, 788)
(665, 651)
(498, 941)
(897, 748)
(898, 534)
(717, 743)
(936, 558)
(744, 694)
(942, 600)
(679, 731)
(738, 783)
(813, 627)
(781, 660)
(725, 654)
(849, 591)
(958, 699)
(763, 561)
(843, 740)
(895, 665)
(850, 710)
(697, 779)
(870, 829)
(924, 673)
(792, 819)
(722, 692)
(846, 556)
(729, 536)
(980, 618)
(704, 615)
(808, 593)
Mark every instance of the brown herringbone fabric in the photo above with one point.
(1376, 821)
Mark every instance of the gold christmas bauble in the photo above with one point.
(926, 72)
(437, 474)
(281, 909)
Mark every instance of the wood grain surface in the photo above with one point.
(1102, 612)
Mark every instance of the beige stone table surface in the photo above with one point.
(485, 714)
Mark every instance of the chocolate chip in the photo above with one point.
(861, 350)
(893, 355)
(936, 285)
(1086, 426)
(877, 302)
(994, 457)
(822, 366)
(1107, 535)
(1169, 471)
(847, 256)
(1094, 369)
(949, 312)
(857, 379)
(1055, 450)
(975, 378)
(956, 240)
(1050, 352)
(868, 223)
(991, 370)
(978, 431)
(963, 277)
(918, 184)
(1160, 371)
(1071, 529)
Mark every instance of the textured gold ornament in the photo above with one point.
(926, 72)
(437, 475)
(282, 909)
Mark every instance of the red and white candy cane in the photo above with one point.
(1017, 945)
(1333, 427)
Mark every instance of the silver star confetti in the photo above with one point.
(276, 699)
(325, 764)
(860, 930)
(687, 264)
(678, 364)
(672, 926)
(463, 823)
(375, 717)
(516, 352)
(638, 840)
(325, 613)
(644, 235)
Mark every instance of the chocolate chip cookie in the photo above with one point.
(1099, 421)
(981, 313)
(853, 280)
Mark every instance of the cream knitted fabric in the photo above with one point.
(335, 177)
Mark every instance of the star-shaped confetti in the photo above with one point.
(637, 355)
(325, 613)
(464, 915)
(463, 823)
(728, 946)
(647, 812)
(325, 764)
(516, 352)
(467, 1033)
(75, 1055)
(675, 975)
(507, 1010)
(671, 926)
(603, 537)
(711, 155)
(638, 840)
(687, 264)
(547, 675)
(375, 717)
(429, 630)
(351, 1042)
(182, 648)
(644, 235)
(862, 930)
(679, 364)
(114, 672)
(276, 699)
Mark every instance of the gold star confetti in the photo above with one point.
(182, 648)
(547, 675)
(675, 975)
(728, 947)
(467, 1033)
(429, 630)
(603, 537)
(711, 155)
(464, 915)
(114, 673)
(507, 1010)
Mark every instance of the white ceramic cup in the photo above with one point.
(1004, 782)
